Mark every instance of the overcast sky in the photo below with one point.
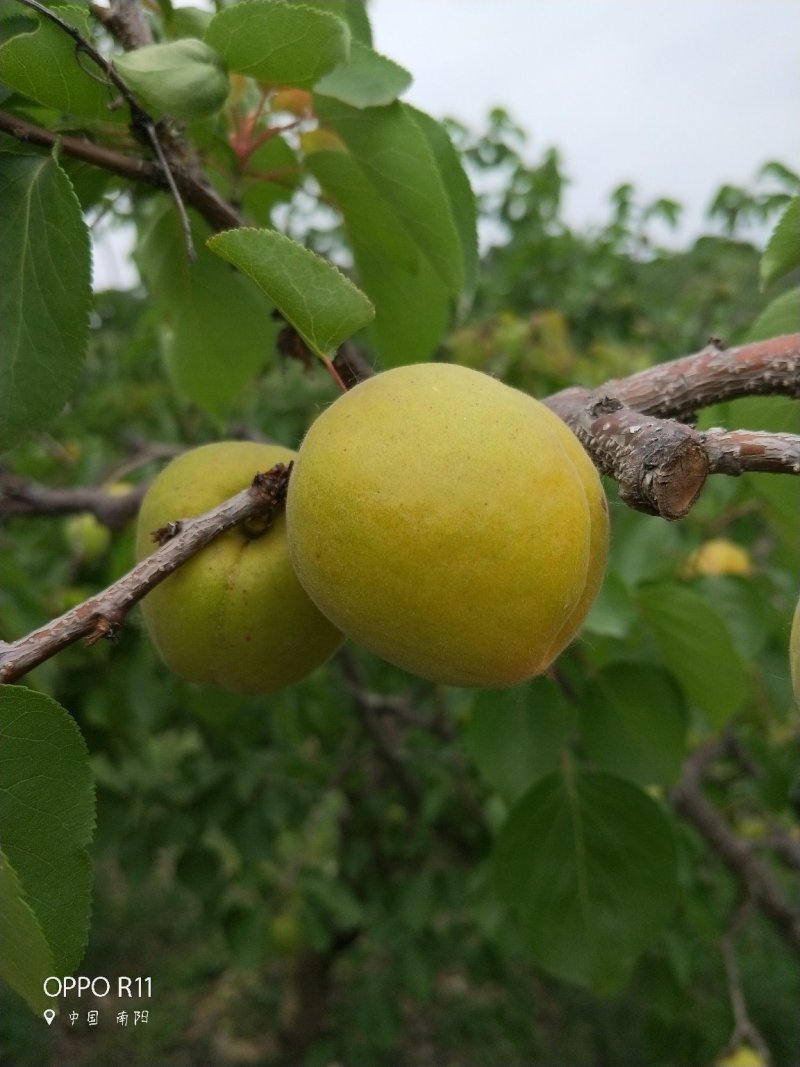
(676, 96)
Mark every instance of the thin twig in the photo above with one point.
(102, 615)
(18, 497)
(744, 1029)
(141, 122)
(755, 878)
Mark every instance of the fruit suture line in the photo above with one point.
(661, 465)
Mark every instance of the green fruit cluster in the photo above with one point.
(446, 522)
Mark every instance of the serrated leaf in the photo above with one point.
(367, 79)
(780, 316)
(279, 43)
(45, 264)
(633, 723)
(354, 13)
(697, 648)
(588, 861)
(218, 332)
(782, 253)
(47, 817)
(42, 65)
(397, 159)
(459, 192)
(317, 299)
(515, 736)
(26, 959)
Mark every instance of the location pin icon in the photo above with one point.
(49, 1015)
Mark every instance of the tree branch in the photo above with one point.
(715, 374)
(21, 497)
(103, 614)
(756, 879)
(142, 124)
(661, 464)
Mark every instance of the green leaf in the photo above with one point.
(588, 860)
(391, 269)
(26, 959)
(459, 192)
(782, 253)
(398, 161)
(697, 648)
(184, 78)
(354, 13)
(41, 63)
(47, 817)
(516, 735)
(413, 308)
(45, 263)
(317, 299)
(613, 613)
(633, 723)
(280, 43)
(218, 332)
(780, 316)
(367, 79)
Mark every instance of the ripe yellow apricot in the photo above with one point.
(235, 615)
(450, 524)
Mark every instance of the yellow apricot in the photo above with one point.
(448, 523)
(234, 615)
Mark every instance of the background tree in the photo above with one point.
(597, 866)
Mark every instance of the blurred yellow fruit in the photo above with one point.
(718, 556)
(743, 1056)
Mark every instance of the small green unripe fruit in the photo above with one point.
(86, 536)
(185, 78)
(234, 615)
(448, 523)
(794, 652)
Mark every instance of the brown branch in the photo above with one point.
(744, 1029)
(142, 124)
(199, 195)
(737, 451)
(21, 497)
(755, 878)
(715, 374)
(103, 614)
(661, 464)
(385, 744)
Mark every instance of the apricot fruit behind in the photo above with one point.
(235, 615)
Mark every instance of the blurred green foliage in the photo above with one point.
(297, 892)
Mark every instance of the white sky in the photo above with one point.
(676, 96)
